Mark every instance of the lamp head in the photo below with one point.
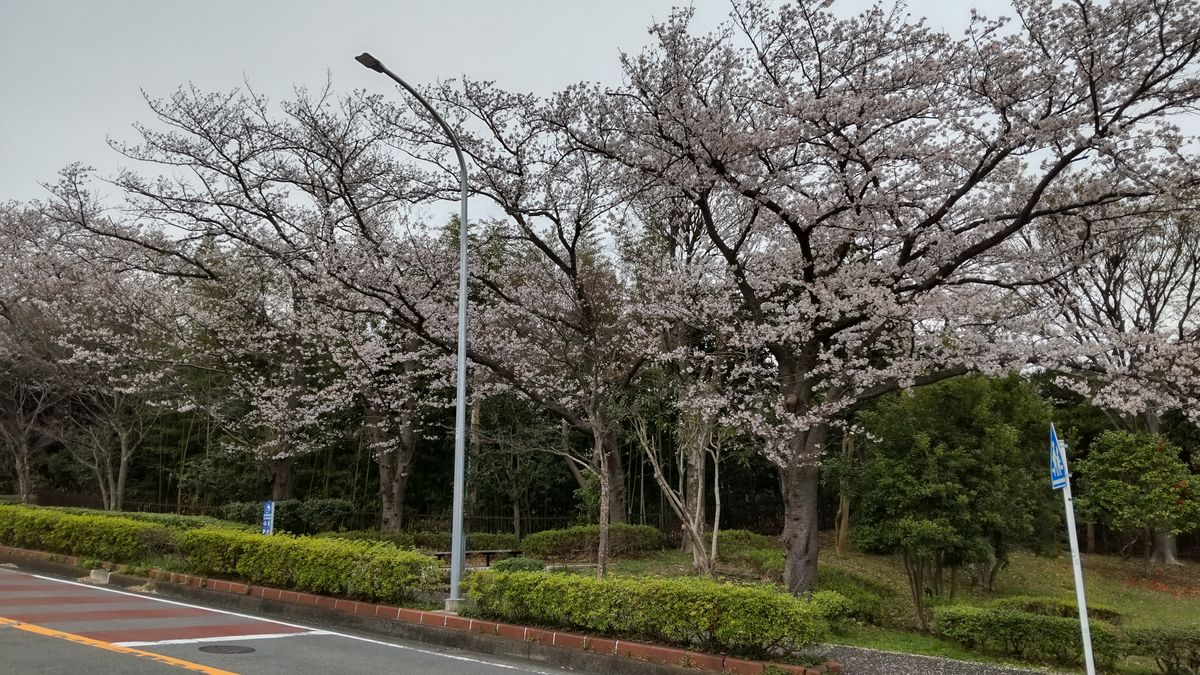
(370, 62)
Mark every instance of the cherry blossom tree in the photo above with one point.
(864, 180)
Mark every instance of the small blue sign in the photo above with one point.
(1058, 461)
(268, 519)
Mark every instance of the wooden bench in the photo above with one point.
(444, 556)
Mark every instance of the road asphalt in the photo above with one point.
(55, 626)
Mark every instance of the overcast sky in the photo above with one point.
(72, 73)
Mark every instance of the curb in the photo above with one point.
(570, 650)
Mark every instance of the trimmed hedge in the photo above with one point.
(1056, 607)
(1032, 636)
(1175, 650)
(581, 541)
(519, 565)
(110, 538)
(375, 571)
(309, 516)
(175, 521)
(744, 620)
(430, 541)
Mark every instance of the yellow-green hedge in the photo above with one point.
(110, 538)
(744, 620)
(354, 569)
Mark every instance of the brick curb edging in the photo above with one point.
(443, 621)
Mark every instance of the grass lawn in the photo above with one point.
(1168, 597)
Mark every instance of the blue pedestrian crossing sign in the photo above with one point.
(268, 517)
(1058, 461)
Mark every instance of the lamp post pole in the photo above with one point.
(457, 536)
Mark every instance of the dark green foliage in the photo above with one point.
(581, 541)
(715, 616)
(309, 516)
(1137, 483)
(1175, 650)
(519, 565)
(375, 571)
(108, 538)
(1032, 636)
(956, 476)
(1056, 607)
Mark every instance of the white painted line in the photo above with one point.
(428, 652)
(224, 638)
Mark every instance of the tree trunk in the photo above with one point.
(842, 535)
(394, 463)
(473, 445)
(118, 496)
(280, 471)
(799, 487)
(612, 465)
(516, 515)
(1165, 548)
(1147, 547)
(1090, 537)
(606, 487)
(694, 489)
(24, 480)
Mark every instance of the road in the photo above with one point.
(53, 626)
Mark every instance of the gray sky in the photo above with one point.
(71, 72)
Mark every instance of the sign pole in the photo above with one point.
(1060, 479)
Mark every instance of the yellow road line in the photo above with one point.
(170, 661)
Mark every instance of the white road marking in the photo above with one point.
(225, 638)
(428, 652)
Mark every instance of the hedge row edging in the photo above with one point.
(439, 619)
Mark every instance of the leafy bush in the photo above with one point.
(309, 516)
(366, 570)
(1014, 633)
(745, 620)
(109, 538)
(519, 565)
(1056, 607)
(1175, 650)
(175, 521)
(865, 596)
(832, 605)
(324, 515)
(582, 541)
(430, 541)
(399, 539)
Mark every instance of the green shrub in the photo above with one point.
(1031, 636)
(108, 538)
(519, 565)
(716, 616)
(760, 553)
(399, 539)
(309, 516)
(175, 521)
(865, 596)
(832, 605)
(324, 515)
(430, 541)
(1056, 607)
(1175, 650)
(581, 541)
(366, 570)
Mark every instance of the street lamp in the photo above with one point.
(457, 537)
